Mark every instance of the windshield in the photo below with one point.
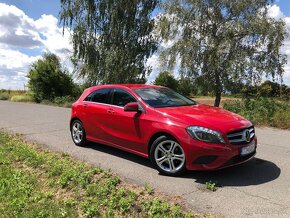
(163, 97)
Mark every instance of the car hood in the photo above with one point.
(207, 116)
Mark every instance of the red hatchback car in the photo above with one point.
(175, 132)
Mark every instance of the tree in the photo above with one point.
(112, 38)
(47, 80)
(186, 86)
(273, 89)
(225, 40)
(166, 79)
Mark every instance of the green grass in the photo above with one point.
(149, 189)
(211, 186)
(37, 183)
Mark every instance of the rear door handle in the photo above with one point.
(85, 105)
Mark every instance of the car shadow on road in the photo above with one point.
(254, 172)
(120, 153)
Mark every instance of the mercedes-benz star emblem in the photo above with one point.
(247, 136)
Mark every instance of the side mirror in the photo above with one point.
(133, 106)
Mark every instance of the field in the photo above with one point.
(37, 183)
(25, 96)
(210, 100)
(15, 95)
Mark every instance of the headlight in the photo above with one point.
(205, 134)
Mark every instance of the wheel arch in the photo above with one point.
(157, 135)
(72, 120)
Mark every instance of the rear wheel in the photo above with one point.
(168, 156)
(78, 133)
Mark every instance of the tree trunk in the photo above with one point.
(217, 100)
(218, 90)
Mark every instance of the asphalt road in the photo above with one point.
(259, 188)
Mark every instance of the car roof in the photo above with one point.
(130, 86)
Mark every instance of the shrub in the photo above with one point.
(65, 101)
(4, 96)
(262, 111)
(282, 119)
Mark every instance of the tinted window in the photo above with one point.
(121, 98)
(163, 97)
(100, 96)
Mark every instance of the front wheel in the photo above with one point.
(168, 156)
(78, 133)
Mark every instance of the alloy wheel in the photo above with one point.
(169, 156)
(77, 132)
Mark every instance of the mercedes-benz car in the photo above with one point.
(175, 132)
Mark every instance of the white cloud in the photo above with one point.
(275, 12)
(54, 39)
(153, 62)
(17, 32)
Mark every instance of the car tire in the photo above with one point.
(78, 133)
(168, 156)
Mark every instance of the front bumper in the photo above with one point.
(205, 156)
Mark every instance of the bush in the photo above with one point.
(262, 111)
(65, 101)
(21, 98)
(4, 96)
(281, 119)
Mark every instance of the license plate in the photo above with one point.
(249, 149)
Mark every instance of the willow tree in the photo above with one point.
(111, 39)
(222, 41)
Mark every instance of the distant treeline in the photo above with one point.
(200, 86)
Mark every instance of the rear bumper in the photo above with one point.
(213, 157)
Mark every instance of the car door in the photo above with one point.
(125, 126)
(96, 115)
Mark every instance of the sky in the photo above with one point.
(28, 28)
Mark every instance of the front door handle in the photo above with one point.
(110, 111)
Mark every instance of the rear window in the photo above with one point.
(121, 98)
(100, 96)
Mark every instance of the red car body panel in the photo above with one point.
(133, 132)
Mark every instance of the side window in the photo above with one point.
(121, 98)
(100, 96)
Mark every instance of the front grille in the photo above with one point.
(241, 137)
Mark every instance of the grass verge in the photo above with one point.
(37, 183)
